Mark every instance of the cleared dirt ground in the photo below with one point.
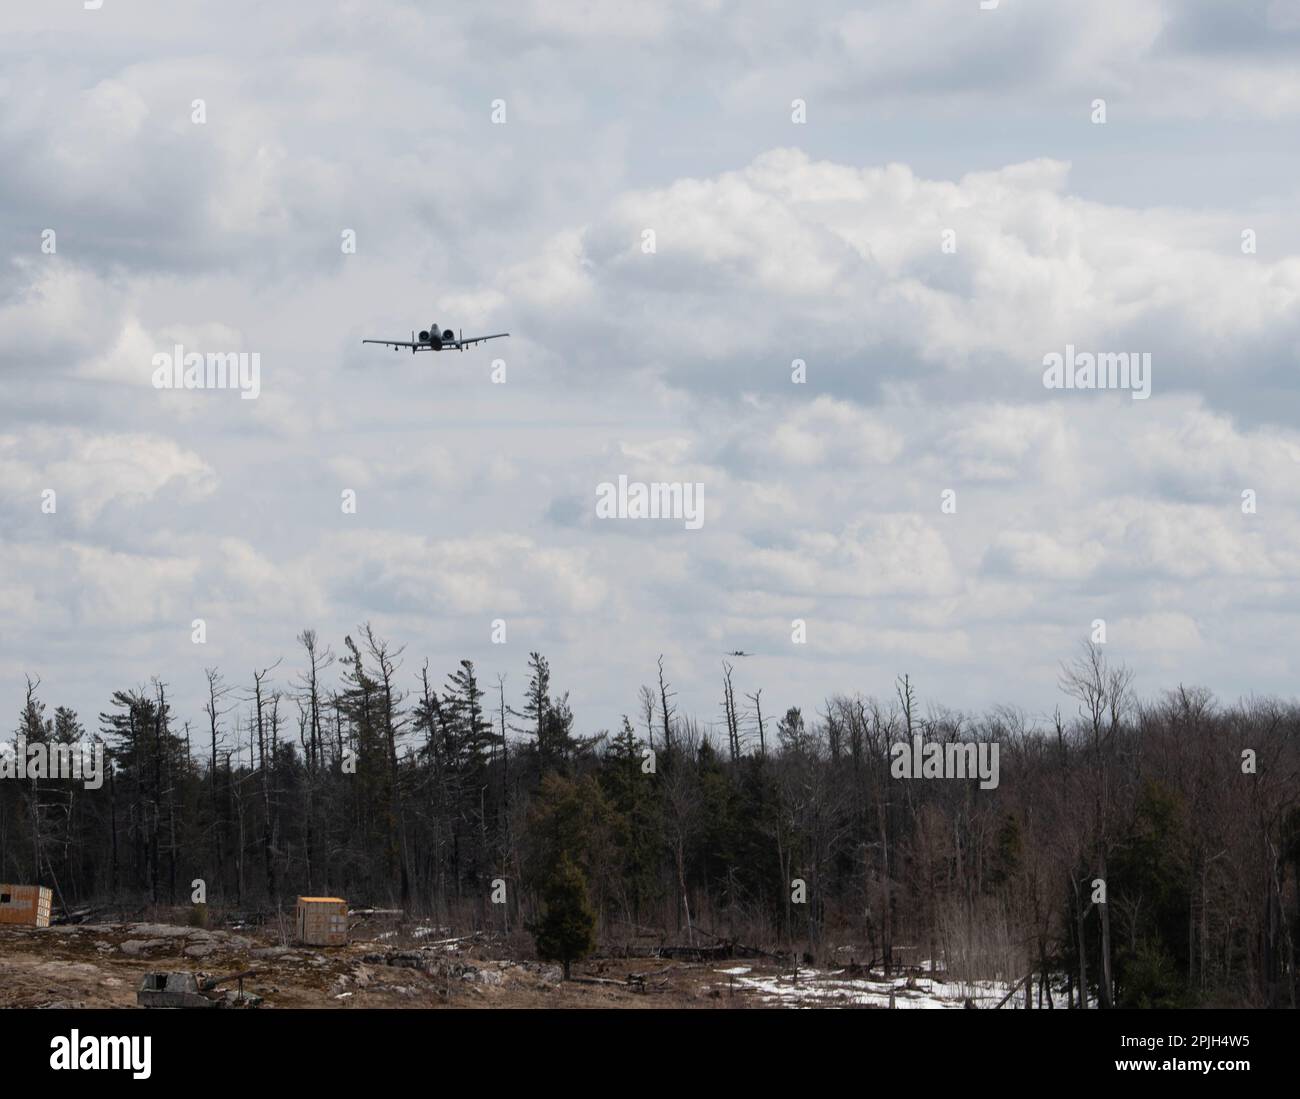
(103, 964)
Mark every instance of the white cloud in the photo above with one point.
(92, 472)
(774, 242)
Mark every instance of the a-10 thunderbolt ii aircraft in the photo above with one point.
(436, 339)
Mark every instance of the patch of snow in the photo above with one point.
(831, 988)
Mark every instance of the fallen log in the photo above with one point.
(77, 915)
(695, 953)
(739, 949)
(212, 982)
(1014, 988)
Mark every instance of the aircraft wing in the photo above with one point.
(394, 343)
(480, 339)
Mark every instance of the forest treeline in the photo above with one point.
(1145, 853)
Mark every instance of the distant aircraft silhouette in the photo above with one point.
(737, 652)
(435, 340)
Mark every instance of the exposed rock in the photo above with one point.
(549, 974)
(133, 948)
(409, 959)
(160, 930)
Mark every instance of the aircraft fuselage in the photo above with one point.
(435, 337)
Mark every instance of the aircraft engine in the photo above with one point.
(424, 335)
(449, 334)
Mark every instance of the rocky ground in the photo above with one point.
(103, 964)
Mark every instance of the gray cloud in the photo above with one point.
(774, 242)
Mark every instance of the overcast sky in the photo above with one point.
(775, 240)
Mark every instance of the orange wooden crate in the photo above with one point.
(322, 921)
(25, 904)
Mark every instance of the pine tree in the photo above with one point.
(463, 698)
(567, 931)
(557, 743)
(537, 703)
(638, 832)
